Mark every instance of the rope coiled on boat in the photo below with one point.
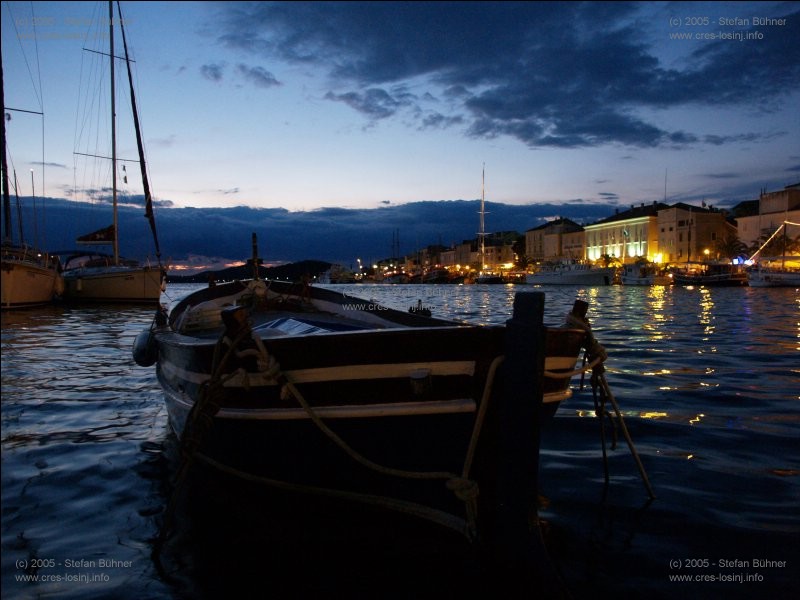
(461, 485)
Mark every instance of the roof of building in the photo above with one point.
(635, 212)
(569, 224)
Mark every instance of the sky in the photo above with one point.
(364, 105)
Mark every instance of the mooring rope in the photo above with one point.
(597, 356)
(462, 486)
(200, 420)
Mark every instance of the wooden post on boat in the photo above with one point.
(517, 551)
(255, 256)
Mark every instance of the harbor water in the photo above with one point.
(707, 380)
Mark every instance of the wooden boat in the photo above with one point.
(30, 276)
(92, 276)
(318, 392)
(714, 274)
(643, 273)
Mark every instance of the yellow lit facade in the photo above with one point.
(627, 236)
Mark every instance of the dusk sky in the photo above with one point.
(363, 105)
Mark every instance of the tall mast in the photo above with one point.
(783, 256)
(6, 192)
(482, 231)
(113, 131)
(148, 198)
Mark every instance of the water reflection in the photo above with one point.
(708, 382)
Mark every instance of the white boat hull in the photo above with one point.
(25, 284)
(113, 284)
(773, 279)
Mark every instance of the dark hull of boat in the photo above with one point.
(347, 412)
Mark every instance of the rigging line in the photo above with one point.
(145, 183)
(41, 106)
(24, 56)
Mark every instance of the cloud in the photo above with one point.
(332, 233)
(258, 76)
(722, 175)
(376, 103)
(49, 164)
(561, 74)
(212, 72)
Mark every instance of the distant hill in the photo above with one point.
(291, 271)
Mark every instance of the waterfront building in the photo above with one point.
(756, 218)
(627, 235)
(689, 233)
(557, 239)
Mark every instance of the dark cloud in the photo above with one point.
(258, 76)
(722, 175)
(376, 103)
(719, 140)
(335, 234)
(560, 74)
(212, 72)
(608, 196)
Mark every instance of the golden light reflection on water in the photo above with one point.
(656, 298)
(653, 415)
(707, 311)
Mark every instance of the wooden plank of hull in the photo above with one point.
(346, 369)
(296, 452)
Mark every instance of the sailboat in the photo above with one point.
(484, 277)
(92, 276)
(30, 277)
(781, 271)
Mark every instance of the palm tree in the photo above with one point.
(730, 247)
(777, 246)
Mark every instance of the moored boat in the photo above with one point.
(571, 273)
(777, 271)
(643, 273)
(30, 276)
(318, 392)
(713, 274)
(97, 277)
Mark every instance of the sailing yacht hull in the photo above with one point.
(774, 279)
(113, 284)
(569, 275)
(27, 284)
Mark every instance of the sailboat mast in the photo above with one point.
(148, 198)
(783, 256)
(6, 192)
(113, 131)
(483, 232)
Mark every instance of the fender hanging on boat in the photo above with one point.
(145, 349)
